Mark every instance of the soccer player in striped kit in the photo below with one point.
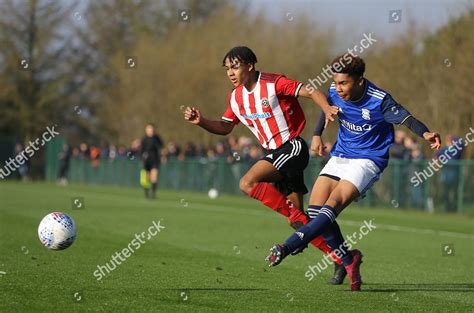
(267, 104)
(359, 156)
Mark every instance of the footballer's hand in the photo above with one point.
(192, 115)
(329, 112)
(317, 145)
(434, 139)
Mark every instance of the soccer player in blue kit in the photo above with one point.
(359, 156)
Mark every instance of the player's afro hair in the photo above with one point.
(243, 54)
(348, 64)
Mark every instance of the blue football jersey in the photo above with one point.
(365, 126)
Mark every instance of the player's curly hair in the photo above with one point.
(243, 54)
(348, 64)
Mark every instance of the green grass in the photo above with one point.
(214, 250)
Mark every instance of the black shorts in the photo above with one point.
(290, 159)
(151, 163)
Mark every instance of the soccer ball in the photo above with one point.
(213, 193)
(57, 231)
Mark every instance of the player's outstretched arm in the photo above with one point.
(194, 116)
(421, 130)
(319, 98)
(317, 142)
(395, 113)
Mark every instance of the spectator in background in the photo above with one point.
(211, 171)
(398, 149)
(417, 193)
(83, 151)
(255, 154)
(409, 144)
(64, 159)
(122, 152)
(189, 150)
(76, 153)
(173, 150)
(417, 154)
(211, 154)
(151, 146)
(104, 150)
(135, 150)
(94, 155)
(233, 143)
(245, 141)
(450, 172)
(245, 144)
(112, 152)
(221, 150)
(235, 154)
(24, 168)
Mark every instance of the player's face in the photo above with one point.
(238, 73)
(347, 87)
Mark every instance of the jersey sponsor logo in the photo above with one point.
(366, 114)
(265, 103)
(257, 115)
(357, 129)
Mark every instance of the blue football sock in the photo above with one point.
(332, 236)
(308, 232)
(334, 239)
(313, 210)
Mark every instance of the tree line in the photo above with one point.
(103, 69)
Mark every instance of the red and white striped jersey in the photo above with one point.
(271, 111)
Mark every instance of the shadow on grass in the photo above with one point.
(384, 287)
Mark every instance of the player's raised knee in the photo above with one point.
(246, 184)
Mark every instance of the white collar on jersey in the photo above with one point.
(256, 84)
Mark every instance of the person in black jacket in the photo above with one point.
(150, 153)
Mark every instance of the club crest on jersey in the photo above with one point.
(265, 103)
(366, 114)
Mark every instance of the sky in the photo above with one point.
(349, 19)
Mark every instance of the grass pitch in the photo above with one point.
(210, 256)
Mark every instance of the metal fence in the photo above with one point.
(446, 189)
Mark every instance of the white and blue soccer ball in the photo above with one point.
(57, 231)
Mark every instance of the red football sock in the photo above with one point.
(272, 198)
